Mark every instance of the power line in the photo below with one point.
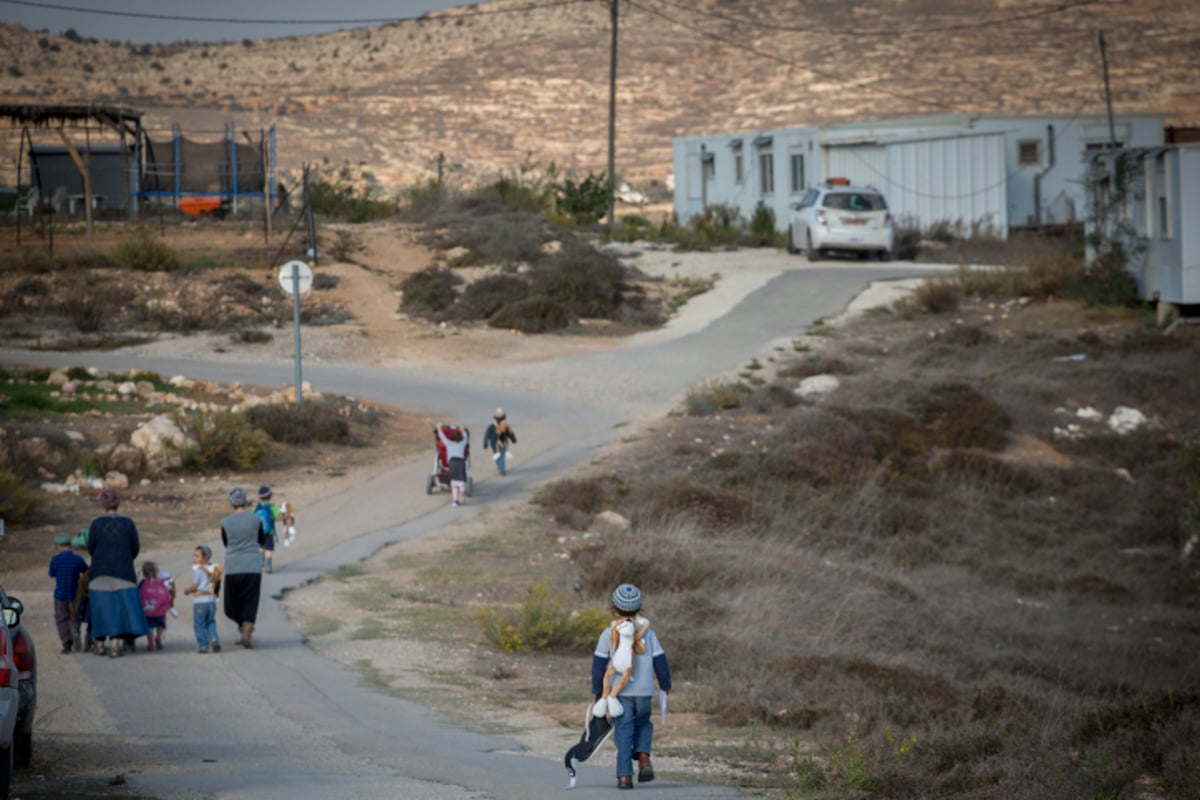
(1031, 13)
(243, 21)
(787, 61)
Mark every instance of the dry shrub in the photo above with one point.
(938, 296)
(957, 415)
(814, 365)
(710, 507)
(301, 424)
(988, 472)
(574, 501)
(891, 432)
(429, 292)
(18, 500)
(486, 296)
(531, 315)
(588, 283)
(146, 253)
(771, 397)
(713, 396)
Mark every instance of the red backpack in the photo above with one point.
(156, 597)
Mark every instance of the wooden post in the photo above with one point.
(84, 164)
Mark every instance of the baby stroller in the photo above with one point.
(440, 477)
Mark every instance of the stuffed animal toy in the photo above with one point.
(287, 516)
(626, 639)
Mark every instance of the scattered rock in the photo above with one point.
(817, 386)
(610, 522)
(1126, 420)
(161, 441)
(116, 480)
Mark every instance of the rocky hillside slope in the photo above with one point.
(497, 84)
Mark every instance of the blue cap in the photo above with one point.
(237, 496)
(627, 597)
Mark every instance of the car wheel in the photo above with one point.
(791, 245)
(22, 747)
(429, 485)
(6, 768)
(809, 253)
(885, 255)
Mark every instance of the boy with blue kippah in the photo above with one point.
(66, 566)
(633, 726)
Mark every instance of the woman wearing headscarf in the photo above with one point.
(114, 606)
(243, 537)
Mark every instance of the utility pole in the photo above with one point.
(1112, 128)
(612, 119)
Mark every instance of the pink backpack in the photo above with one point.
(156, 597)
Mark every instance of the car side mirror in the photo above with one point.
(794, 206)
(13, 612)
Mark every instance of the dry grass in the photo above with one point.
(891, 582)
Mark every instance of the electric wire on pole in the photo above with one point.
(1112, 128)
(612, 120)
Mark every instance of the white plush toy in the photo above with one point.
(626, 639)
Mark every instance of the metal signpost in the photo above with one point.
(296, 277)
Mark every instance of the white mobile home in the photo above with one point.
(1155, 209)
(977, 171)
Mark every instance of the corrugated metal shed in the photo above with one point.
(957, 179)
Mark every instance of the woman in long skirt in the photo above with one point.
(114, 606)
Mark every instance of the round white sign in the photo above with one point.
(287, 280)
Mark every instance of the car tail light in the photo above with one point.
(23, 655)
(821, 218)
(8, 670)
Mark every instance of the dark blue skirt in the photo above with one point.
(116, 613)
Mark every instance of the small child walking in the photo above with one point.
(273, 519)
(633, 727)
(155, 592)
(66, 567)
(497, 438)
(206, 584)
(456, 443)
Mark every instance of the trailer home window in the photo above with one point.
(766, 173)
(1029, 152)
(797, 173)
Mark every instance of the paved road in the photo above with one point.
(283, 722)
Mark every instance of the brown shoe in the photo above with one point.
(247, 630)
(624, 781)
(645, 768)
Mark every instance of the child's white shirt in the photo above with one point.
(204, 583)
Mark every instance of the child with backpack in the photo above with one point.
(157, 599)
(206, 588)
(273, 517)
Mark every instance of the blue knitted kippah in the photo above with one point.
(627, 597)
(237, 496)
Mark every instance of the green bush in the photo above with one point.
(18, 501)
(225, 440)
(304, 424)
(1106, 282)
(587, 201)
(542, 623)
(531, 315)
(762, 227)
(429, 291)
(145, 253)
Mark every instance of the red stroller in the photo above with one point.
(440, 477)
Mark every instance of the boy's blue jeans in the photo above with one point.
(633, 731)
(501, 451)
(204, 623)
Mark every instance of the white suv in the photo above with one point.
(837, 216)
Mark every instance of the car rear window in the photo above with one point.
(855, 201)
